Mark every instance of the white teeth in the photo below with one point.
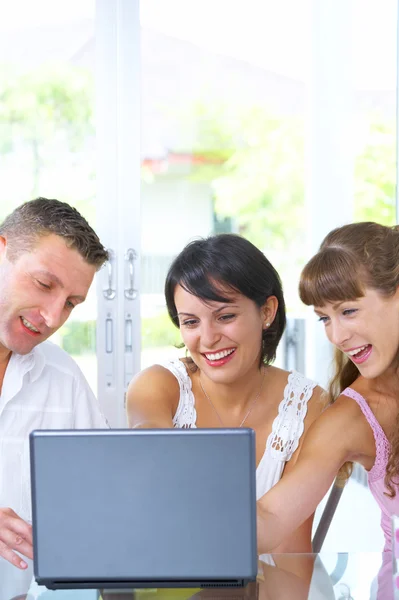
(356, 351)
(29, 325)
(219, 355)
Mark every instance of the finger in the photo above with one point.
(12, 557)
(8, 512)
(21, 528)
(17, 542)
(23, 547)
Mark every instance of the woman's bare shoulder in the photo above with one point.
(345, 422)
(281, 377)
(152, 397)
(276, 379)
(373, 394)
(155, 377)
(382, 402)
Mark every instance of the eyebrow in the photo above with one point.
(225, 306)
(181, 314)
(54, 279)
(334, 306)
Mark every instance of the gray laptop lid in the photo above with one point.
(144, 507)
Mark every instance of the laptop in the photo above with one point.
(144, 508)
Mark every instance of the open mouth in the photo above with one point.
(359, 355)
(31, 328)
(219, 358)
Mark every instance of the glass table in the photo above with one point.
(353, 576)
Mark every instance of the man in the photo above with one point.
(48, 257)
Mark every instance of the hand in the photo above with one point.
(15, 534)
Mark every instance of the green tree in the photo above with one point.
(375, 171)
(254, 163)
(46, 120)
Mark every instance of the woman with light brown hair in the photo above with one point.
(352, 283)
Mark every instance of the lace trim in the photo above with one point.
(288, 425)
(382, 445)
(186, 415)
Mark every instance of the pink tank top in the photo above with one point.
(389, 506)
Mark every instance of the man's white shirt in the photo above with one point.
(44, 389)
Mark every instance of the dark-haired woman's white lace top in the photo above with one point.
(287, 428)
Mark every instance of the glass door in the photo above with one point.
(47, 128)
(273, 120)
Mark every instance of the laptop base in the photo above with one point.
(89, 585)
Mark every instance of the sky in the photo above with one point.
(274, 34)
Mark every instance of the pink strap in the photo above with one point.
(382, 445)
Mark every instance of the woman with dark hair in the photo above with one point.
(227, 300)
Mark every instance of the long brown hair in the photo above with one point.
(352, 258)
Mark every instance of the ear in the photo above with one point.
(3, 247)
(269, 310)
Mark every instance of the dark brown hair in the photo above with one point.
(37, 218)
(214, 267)
(352, 258)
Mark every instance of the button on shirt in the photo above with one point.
(44, 389)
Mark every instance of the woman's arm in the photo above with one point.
(152, 399)
(299, 543)
(340, 434)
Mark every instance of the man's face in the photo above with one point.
(38, 292)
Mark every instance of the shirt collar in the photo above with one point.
(32, 363)
(38, 363)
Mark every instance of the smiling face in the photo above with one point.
(366, 330)
(224, 338)
(38, 291)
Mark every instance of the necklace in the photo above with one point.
(250, 408)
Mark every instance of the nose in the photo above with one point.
(53, 313)
(210, 334)
(338, 333)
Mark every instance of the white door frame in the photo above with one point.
(118, 200)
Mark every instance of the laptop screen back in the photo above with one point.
(143, 507)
